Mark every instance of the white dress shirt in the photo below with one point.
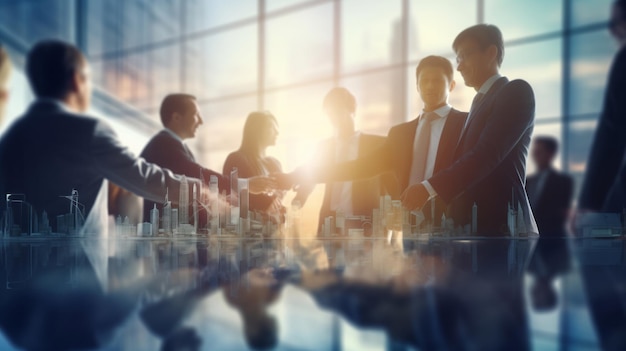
(483, 90)
(341, 194)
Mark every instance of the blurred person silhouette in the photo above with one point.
(604, 185)
(181, 117)
(259, 132)
(5, 73)
(549, 191)
(352, 197)
(183, 339)
(60, 303)
(252, 297)
(604, 286)
(474, 299)
(415, 150)
(550, 260)
(56, 147)
(490, 156)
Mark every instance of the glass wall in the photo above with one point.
(283, 55)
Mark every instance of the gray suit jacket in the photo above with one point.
(49, 151)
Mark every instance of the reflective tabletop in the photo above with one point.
(310, 294)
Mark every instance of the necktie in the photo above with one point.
(421, 145)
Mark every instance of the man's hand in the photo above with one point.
(261, 184)
(415, 197)
(285, 181)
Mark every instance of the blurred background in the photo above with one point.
(237, 56)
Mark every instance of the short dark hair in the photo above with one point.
(438, 62)
(174, 103)
(549, 142)
(340, 96)
(51, 66)
(484, 35)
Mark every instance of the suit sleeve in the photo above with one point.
(607, 151)
(512, 116)
(568, 190)
(170, 154)
(120, 166)
(367, 166)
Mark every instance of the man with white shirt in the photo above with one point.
(549, 191)
(351, 198)
(415, 150)
(490, 165)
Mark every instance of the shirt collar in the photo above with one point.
(489, 83)
(443, 111)
(60, 104)
(173, 134)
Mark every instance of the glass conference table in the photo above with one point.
(312, 294)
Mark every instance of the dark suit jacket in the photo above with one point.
(258, 202)
(551, 208)
(366, 190)
(490, 168)
(169, 152)
(396, 154)
(50, 151)
(604, 187)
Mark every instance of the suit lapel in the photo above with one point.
(189, 153)
(476, 111)
(406, 156)
(449, 140)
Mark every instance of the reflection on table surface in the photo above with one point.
(295, 294)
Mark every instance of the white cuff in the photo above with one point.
(431, 191)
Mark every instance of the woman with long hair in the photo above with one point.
(259, 132)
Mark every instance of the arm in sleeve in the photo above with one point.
(512, 116)
(568, 191)
(607, 151)
(118, 164)
(374, 163)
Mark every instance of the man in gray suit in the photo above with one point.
(55, 147)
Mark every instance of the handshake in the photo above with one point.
(413, 197)
(275, 182)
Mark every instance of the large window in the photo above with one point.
(284, 55)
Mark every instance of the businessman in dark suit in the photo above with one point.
(604, 187)
(357, 197)
(490, 165)
(181, 117)
(549, 191)
(55, 147)
(417, 149)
